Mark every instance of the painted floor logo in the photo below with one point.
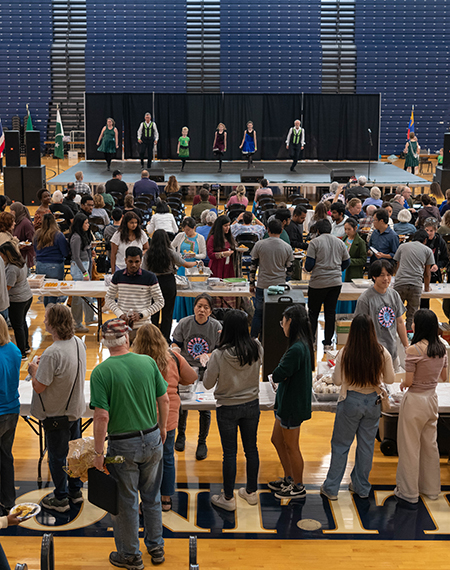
(380, 517)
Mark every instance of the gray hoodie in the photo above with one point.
(235, 384)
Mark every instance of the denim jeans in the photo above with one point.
(8, 424)
(18, 317)
(79, 305)
(58, 448)
(257, 320)
(168, 478)
(357, 415)
(229, 419)
(141, 471)
(51, 271)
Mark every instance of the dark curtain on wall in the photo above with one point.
(98, 108)
(280, 112)
(199, 112)
(135, 107)
(336, 126)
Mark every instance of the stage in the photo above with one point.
(308, 173)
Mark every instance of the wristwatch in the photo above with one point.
(141, 316)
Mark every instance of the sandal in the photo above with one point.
(166, 505)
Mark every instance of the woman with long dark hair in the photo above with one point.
(358, 409)
(24, 231)
(175, 371)
(233, 369)
(220, 247)
(51, 249)
(20, 295)
(80, 268)
(293, 400)
(161, 259)
(426, 363)
(129, 234)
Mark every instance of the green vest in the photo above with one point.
(296, 136)
(147, 131)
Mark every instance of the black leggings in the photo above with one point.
(108, 157)
(329, 297)
(18, 317)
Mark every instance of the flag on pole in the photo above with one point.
(59, 135)
(2, 140)
(29, 122)
(411, 122)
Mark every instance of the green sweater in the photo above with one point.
(358, 259)
(294, 376)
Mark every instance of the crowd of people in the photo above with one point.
(351, 230)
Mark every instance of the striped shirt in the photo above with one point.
(139, 293)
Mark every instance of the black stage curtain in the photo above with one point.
(135, 107)
(98, 108)
(280, 112)
(199, 112)
(336, 126)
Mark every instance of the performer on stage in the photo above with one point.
(412, 151)
(109, 139)
(148, 139)
(296, 142)
(249, 145)
(220, 143)
(183, 147)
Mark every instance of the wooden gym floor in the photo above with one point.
(354, 535)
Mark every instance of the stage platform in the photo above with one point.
(308, 173)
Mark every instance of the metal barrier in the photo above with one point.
(193, 553)
(47, 552)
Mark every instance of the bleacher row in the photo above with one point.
(25, 77)
(403, 54)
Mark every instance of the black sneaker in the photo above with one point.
(76, 497)
(202, 451)
(279, 484)
(180, 442)
(291, 492)
(132, 563)
(157, 555)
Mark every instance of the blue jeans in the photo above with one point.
(257, 320)
(8, 424)
(229, 419)
(357, 415)
(79, 305)
(168, 478)
(58, 448)
(141, 471)
(52, 271)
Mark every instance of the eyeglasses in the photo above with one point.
(431, 222)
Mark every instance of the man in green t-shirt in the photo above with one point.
(125, 390)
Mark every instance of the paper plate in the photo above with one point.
(35, 510)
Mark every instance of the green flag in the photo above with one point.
(29, 123)
(59, 134)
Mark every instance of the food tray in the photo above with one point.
(186, 392)
(194, 275)
(66, 285)
(36, 281)
(362, 283)
(303, 284)
(326, 397)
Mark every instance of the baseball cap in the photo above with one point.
(114, 328)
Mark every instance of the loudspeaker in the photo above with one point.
(443, 177)
(341, 175)
(253, 175)
(446, 161)
(157, 174)
(33, 148)
(33, 180)
(273, 342)
(13, 183)
(12, 148)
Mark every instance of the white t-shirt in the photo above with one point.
(123, 246)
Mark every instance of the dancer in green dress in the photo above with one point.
(412, 151)
(183, 146)
(109, 139)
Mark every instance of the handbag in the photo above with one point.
(56, 423)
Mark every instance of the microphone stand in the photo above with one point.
(370, 152)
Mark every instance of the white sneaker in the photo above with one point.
(251, 498)
(327, 495)
(220, 501)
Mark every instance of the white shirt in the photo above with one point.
(291, 131)
(162, 222)
(155, 130)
